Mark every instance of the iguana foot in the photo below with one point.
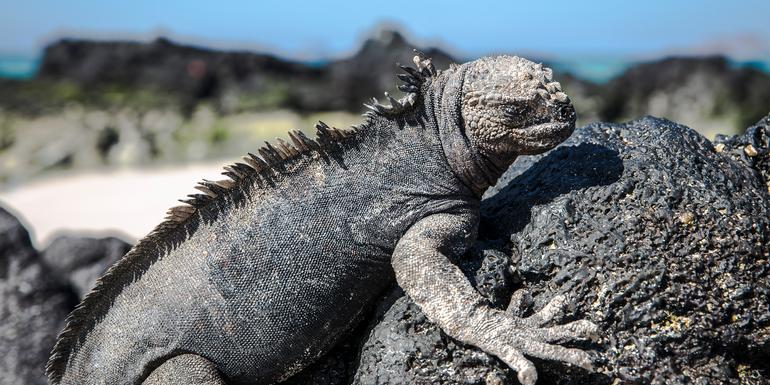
(447, 298)
(529, 336)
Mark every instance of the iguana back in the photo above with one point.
(253, 276)
(262, 273)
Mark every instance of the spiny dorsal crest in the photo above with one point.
(270, 156)
(161, 239)
(413, 79)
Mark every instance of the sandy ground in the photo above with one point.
(126, 203)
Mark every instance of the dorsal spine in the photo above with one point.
(165, 238)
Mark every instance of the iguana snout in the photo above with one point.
(511, 106)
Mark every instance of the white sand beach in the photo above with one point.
(126, 203)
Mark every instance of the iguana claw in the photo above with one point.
(530, 337)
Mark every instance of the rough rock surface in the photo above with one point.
(652, 233)
(32, 307)
(751, 148)
(81, 260)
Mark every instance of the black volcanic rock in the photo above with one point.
(192, 74)
(33, 305)
(652, 233)
(187, 72)
(372, 70)
(751, 148)
(81, 260)
(161, 62)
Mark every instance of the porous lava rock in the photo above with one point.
(751, 148)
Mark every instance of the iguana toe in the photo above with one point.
(521, 302)
(531, 338)
(525, 369)
(549, 312)
(582, 330)
(534, 348)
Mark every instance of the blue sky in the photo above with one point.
(311, 29)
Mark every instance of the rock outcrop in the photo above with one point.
(706, 92)
(709, 91)
(33, 306)
(233, 79)
(655, 235)
(81, 260)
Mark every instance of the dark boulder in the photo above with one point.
(372, 70)
(187, 73)
(33, 305)
(81, 260)
(686, 88)
(190, 74)
(161, 63)
(652, 233)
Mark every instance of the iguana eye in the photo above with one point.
(517, 113)
(517, 109)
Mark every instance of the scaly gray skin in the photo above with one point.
(263, 273)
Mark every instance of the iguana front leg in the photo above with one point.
(434, 283)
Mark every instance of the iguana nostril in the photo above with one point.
(565, 112)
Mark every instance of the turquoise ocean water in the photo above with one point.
(18, 67)
(598, 70)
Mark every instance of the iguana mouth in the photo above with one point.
(538, 138)
(551, 130)
(560, 121)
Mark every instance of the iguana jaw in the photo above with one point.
(542, 137)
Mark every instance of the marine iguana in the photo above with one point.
(260, 274)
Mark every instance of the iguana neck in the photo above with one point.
(442, 100)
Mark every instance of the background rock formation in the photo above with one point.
(181, 75)
(105, 104)
(81, 260)
(707, 90)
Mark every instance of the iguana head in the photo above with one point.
(511, 106)
(487, 111)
